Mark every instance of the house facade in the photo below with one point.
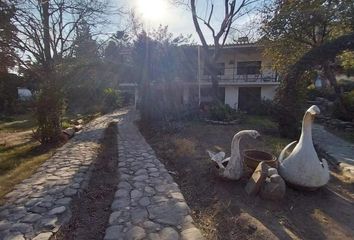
(245, 78)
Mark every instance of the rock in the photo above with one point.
(4, 225)
(114, 216)
(120, 203)
(140, 178)
(169, 234)
(121, 193)
(14, 236)
(43, 236)
(138, 215)
(49, 223)
(136, 194)
(70, 192)
(70, 132)
(63, 201)
(154, 236)
(144, 201)
(31, 218)
(57, 210)
(21, 227)
(151, 226)
(136, 233)
(78, 128)
(274, 188)
(167, 213)
(113, 233)
(257, 179)
(192, 234)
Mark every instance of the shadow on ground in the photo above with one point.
(223, 210)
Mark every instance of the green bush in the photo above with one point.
(265, 107)
(221, 112)
(112, 99)
(312, 93)
(344, 108)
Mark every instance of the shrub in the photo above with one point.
(265, 107)
(221, 112)
(111, 99)
(344, 108)
(312, 93)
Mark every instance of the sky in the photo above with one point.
(179, 18)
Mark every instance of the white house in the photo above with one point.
(245, 78)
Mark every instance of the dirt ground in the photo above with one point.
(91, 210)
(223, 210)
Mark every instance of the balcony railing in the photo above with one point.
(230, 75)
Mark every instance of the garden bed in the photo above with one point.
(223, 210)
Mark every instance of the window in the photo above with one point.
(220, 69)
(249, 68)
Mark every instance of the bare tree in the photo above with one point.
(46, 34)
(219, 30)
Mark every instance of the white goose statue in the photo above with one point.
(302, 167)
(234, 163)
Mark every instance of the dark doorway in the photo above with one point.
(221, 94)
(248, 97)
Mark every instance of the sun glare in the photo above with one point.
(152, 10)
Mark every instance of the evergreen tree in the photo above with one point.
(85, 48)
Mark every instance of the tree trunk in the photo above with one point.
(49, 104)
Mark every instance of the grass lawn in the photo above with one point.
(20, 155)
(223, 210)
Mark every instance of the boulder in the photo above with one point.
(70, 132)
(78, 128)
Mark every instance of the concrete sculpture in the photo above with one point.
(232, 167)
(302, 167)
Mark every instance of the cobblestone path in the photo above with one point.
(148, 203)
(38, 206)
(338, 149)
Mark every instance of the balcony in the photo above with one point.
(245, 76)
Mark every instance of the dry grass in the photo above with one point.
(18, 162)
(20, 155)
(21, 170)
(184, 147)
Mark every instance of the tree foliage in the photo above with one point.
(291, 28)
(290, 110)
(294, 31)
(46, 34)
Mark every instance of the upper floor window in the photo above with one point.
(249, 68)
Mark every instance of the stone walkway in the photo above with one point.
(336, 148)
(148, 203)
(38, 206)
